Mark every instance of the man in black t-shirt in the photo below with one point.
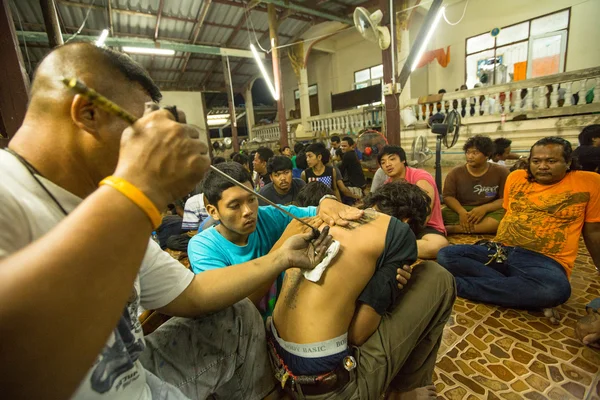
(261, 176)
(356, 316)
(283, 189)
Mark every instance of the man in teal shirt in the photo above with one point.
(246, 231)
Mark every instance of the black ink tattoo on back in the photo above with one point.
(293, 278)
(370, 215)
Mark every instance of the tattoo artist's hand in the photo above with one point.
(476, 215)
(162, 158)
(302, 251)
(463, 221)
(403, 276)
(332, 212)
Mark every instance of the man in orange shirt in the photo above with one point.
(528, 264)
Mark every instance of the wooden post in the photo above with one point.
(231, 102)
(277, 81)
(392, 101)
(15, 82)
(51, 21)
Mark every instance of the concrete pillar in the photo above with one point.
(249, 111)
(402, 55)
(304, 99)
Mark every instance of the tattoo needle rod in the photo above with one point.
(110, 107)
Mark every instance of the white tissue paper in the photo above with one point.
(314, 275)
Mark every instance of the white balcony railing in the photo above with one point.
(548, 96)
(346, 121)
(559, 95)
(350, 121)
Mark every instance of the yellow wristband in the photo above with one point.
(135, 195)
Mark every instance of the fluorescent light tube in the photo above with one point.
(428, 38)
(102, 38)
(148, 50)
(217, 122)
(274, 92)
(218, 116)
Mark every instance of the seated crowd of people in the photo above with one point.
(340, 292)
(537, 210)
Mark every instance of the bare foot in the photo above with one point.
(422, 393)
(553, 315)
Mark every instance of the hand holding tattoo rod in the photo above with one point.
(114, 109)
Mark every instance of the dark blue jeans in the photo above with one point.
(527, 279)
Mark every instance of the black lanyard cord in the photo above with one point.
(33, 172)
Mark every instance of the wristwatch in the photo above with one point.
(327, 196)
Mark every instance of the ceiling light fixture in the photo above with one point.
(428, 38)
(274, 92)
(148, 50)
(102, 38)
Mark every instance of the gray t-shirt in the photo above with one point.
(270, 193)
(27, 213)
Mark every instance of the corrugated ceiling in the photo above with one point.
(225, 26)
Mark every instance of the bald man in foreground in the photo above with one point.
(76, 261)
(355, 334)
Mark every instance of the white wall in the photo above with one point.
(319, 72)
(188, 102)
(482, 16)
(332, 72)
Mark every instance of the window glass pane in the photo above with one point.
(361, 85)
(546, 55)
(513, 66)
(550, 23)
(477, 65)
(377, 72)
(481, 42)
(513, 34)
(375, 82)
(361, 76)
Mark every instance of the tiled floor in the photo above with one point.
(490, 352)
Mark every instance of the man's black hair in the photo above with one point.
(319, 149)
(241, 159)
(310, 194)
(348, 140)
(392, 149)
(483, 144)
(567, 153)
(279, 163)
(298, 147)
(281, 150)
(218, 160)
(214, 184)
(588, 133)
(334, 138)
(441, 91)
(401, 200)
(500, 145)
(264, 153)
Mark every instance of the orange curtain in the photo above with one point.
(442, 57)
(520, 71)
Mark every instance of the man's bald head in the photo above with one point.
(109, 72)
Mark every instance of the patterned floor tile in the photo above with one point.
(491, 352)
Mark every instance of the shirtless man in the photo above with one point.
(319, 330)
